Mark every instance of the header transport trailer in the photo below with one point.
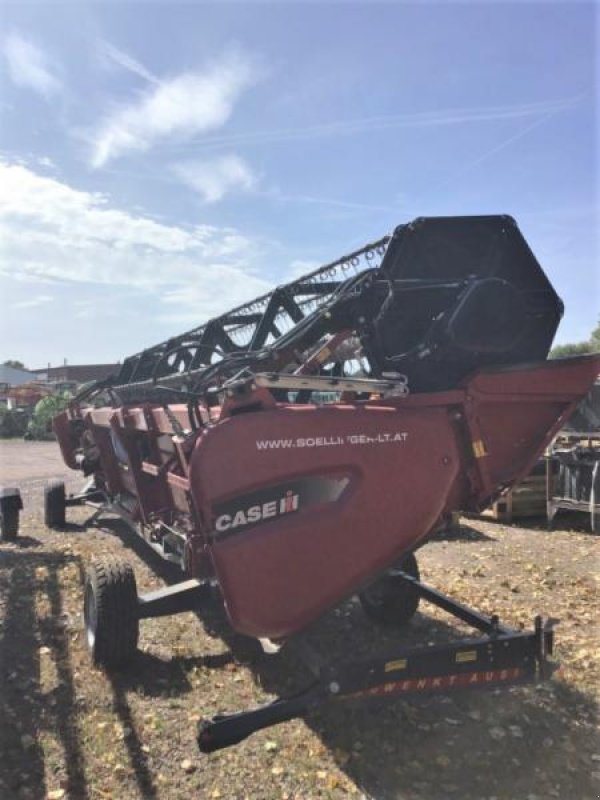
(219, 448)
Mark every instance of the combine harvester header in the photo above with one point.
(430, 347)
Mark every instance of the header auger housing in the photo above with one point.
(299, 449)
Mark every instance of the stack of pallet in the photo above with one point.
(526, 499)
(567, 478)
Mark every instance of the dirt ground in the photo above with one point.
(68, 730)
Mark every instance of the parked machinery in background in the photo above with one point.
(573, 463)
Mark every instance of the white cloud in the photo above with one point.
(33, 302)
(214, 179)
(52, 232)
(47, 163)
(183, 106)
(300, 267)
(28, 66)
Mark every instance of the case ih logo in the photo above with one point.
(256, 513)
(263, 505)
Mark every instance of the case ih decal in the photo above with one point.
(276, 501)
(257, 513)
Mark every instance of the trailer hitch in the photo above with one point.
(224, 730)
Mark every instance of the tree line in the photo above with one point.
(591, 345)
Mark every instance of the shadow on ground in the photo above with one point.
(507, 743)
(462, 532)
(517, 743)
(30, 577)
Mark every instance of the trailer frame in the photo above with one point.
(502, 656)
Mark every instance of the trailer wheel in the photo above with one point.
(390, 600)
(9, 525)
(55, 504)
(111, 612)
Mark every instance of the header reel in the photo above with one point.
(437, 300)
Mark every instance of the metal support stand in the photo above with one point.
(480, 622)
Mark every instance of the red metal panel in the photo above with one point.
(399, 464)
(519, 411)
(281, 574)
(66, 442)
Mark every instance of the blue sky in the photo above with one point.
(160, 162)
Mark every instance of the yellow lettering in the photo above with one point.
(466, 655)
(392, 666)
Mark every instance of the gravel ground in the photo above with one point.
(68, 730)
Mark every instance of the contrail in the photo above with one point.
(496, 149)
(417, 120)
(127, 62)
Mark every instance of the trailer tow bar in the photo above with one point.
(176, 599)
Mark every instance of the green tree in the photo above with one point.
(571, 349)
(11, 362)
(595, 338)
(13, 421)
(592, 345)
(40, 426)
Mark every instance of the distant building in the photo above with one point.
(10, 376)
(76, 373)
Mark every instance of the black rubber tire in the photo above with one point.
(55, 504)
(9, 525)
(111, 613)
(390, 600)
